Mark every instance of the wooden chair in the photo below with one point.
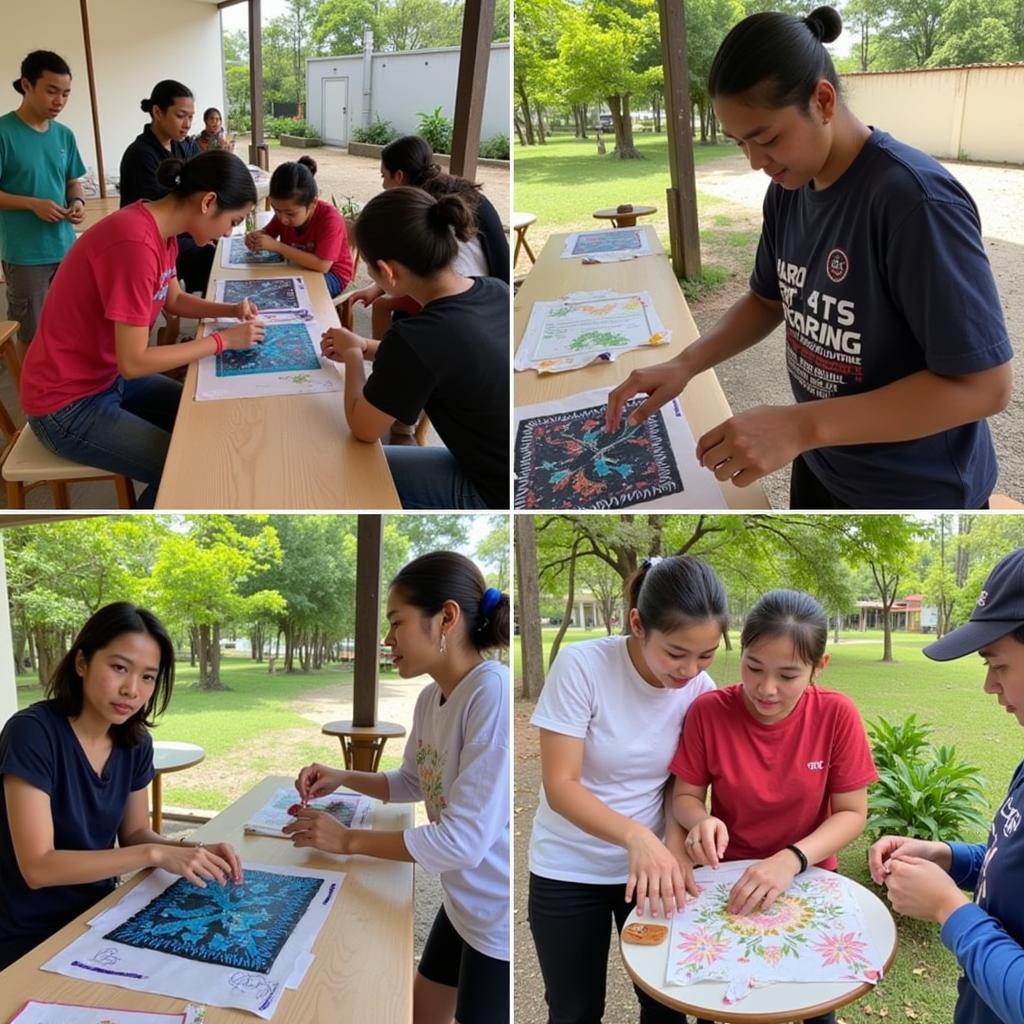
(342, 301)
(26, 464)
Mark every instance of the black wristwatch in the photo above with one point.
(801, 856)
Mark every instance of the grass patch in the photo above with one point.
(249, 730)
(948, 697)
(711, 279)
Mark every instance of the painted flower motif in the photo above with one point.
(430, 765)
(787, 915)
(840, 948)
(702, 947)
(772, 954)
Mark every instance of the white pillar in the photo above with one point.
(8, 683)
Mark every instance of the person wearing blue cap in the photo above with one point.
(924, 879)
(442, 618)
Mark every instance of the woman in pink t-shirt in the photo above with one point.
(788, 763)
(305, 230)
(92, 387)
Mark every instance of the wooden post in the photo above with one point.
(681, 196)
(257, 147)
(477, 28)
(369, 541)
(90, 72)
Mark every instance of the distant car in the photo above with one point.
(605, 122)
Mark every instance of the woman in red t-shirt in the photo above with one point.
(788, 763)
(305, 230)
(92, 388)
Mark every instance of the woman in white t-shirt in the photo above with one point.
(442, 617)
(610, 716)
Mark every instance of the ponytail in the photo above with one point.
(677, 591)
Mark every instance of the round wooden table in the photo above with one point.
(169, 756)
(772, 1004)
(624, 218)
(520, 222)
(363, 745)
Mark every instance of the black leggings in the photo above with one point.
(571, 926)
(482, 980)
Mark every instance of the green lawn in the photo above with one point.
(949, 697)
(250, 728)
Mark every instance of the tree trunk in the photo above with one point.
(289, 645)
(624, 148)
(524, 102)
(570, 600)
(541, 136)
(887, 633)
(193, 645)
(656, 107)
(532, 667)
(714, 125)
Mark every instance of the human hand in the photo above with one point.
(753, 444)
(337, 341)
(245, 335)
(655, 875)
(199, 864)
(257, 240)
(900, 846)
(317, 780)
(317, 829)
(918, 888)
(707, 840)
(367, 296)
(76, 212)
(762, 883)
(245, 310)
(49, 211)
(661, 382)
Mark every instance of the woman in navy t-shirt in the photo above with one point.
(871, 258)
(75, 769)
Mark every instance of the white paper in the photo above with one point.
(35, 1012)
(581, 466)
(286, 362)
(235, 256)
(96, 957)
(270, 294)
(350, 809)
(625, 241)
(580, 328)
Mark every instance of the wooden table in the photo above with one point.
(363, 969)
(169, 756)
(625, 218)
(520, 222)
(281, 452)
(773, 1004)
(704, 403)
(363, 745)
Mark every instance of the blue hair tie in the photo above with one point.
(490, 601)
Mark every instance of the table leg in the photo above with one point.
(346, 751)
(520, 239)
(624, 220)
(157, 803)
(366, 754)
(529, 251)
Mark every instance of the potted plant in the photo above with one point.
(349, 208)
(301, 134)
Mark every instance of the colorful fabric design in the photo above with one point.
(266, 292)
(241, 926)
(430, 764)
(568, 460)
(286, 347)
(813, 932)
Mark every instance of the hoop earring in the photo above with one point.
(444, 643)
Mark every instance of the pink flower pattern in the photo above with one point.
(841, 948)
(701, 947)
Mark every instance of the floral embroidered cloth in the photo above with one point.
(814, 932)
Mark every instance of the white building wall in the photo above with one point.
(971, 113)
(135, 43)
(406, 84)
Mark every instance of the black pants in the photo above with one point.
(807, 491)
(481, 980)
(571, 927)
(194, 264)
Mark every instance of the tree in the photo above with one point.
(528, 606)
(606, 586)
(492, 552)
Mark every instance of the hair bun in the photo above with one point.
(168, 174)
(146, 106)
(308, 162)
(825, 23)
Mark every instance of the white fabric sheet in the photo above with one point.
(350, 809)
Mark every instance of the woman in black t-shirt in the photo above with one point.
(449, 360)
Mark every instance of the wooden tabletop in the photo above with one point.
(772, 1004)
(281, 452)
(364, 954)
(704, 403)
(170, 756)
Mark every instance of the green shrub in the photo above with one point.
(436, 129)
(380, 133)
(921, 791)
(495, 148)
(300, 129)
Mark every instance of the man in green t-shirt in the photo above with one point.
(40, 196)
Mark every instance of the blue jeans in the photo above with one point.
(335, 285)
(125, 429)
(430, 478)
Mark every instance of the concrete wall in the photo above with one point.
(972, 113)
(405, 84)
(135, 43)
